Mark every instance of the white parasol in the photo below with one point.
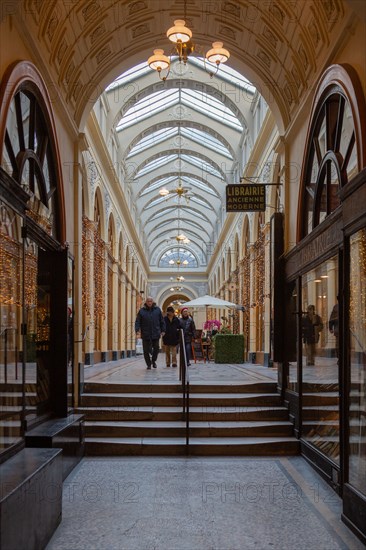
(208, 301)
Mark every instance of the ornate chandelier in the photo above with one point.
(181, 37)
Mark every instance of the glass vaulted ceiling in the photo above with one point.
(183, 133)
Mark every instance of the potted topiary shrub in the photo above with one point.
(229, 348)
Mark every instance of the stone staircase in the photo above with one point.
(225, 420)
(11, 410)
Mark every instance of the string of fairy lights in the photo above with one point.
(10, 285)
(254, 258)
(11, 269)
(358, 278)
(93, 251)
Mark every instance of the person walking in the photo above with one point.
(189, 329)
(312, 325)
(149, 326)
(171, 337)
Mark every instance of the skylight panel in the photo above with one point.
(154, 203)
(200, 201)
(202, 165)
(196, 225)
(178, 254)
(160, 183)
(136, 72)
(196, 214)
(147, 107)
(161, 225)
(152, 139)
(227, 73)
(211, 107)
(161, 213)
(204, 138)
(197, 183)
(154, 164)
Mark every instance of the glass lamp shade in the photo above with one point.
(171, 262)
(158, 61)
(179, 33)
(164, 192)
(185, 262)
(217, 54)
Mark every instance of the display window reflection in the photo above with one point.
(320, 358)
(357, 361)
(11, 349)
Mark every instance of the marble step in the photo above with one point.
(175, 399)
(203, 413)
(10, 428)
(16, 398)
(321, 413)
(175, 387)
(320, 398)
(196, 429)
(199, 446)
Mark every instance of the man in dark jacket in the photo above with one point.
(149, 326)
(171, 338)
(189, 329)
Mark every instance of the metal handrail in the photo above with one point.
(184, 377)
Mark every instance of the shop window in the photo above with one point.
(28, 156)
(320, 350)
(11, 290)
(30, 167)
(334, 147)
(357, 361)
(291, 309)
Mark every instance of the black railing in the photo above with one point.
(184, 378)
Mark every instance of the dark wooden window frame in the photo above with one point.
(340, 84)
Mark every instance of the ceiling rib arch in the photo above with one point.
(182, 153)
(183, 175)
(178, 124)
(181, 84)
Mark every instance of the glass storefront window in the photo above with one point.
(291, 331)
(11, 382)
(320, 370)
(70, 332)
(357, 361)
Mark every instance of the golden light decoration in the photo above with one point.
(30, 281)
(87, 246)
(180, 191)
(99, 275)
(94, 252)
(358, 279)
(10, 262)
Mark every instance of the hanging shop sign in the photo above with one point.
(246, 197)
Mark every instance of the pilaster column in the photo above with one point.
(115, 309)
(253, 310)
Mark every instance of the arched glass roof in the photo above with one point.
(184, 257)
(184, 134)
